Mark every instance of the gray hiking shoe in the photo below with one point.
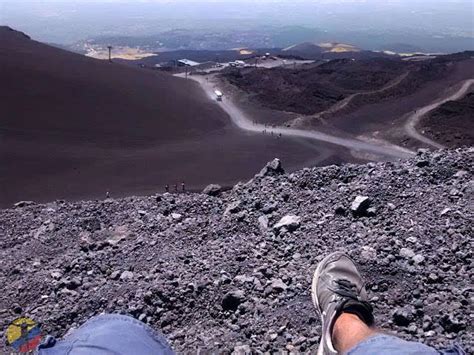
(338, 287)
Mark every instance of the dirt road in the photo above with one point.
(241, 120)
(349, 99)
(414, 119)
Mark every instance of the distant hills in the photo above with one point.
(305, 50)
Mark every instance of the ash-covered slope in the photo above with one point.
(214, 273)
(452, 123)
(73, 127)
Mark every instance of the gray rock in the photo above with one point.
(407, 253)
(451, 324)
(23, 204)
(402, 317)
(290, 222)
(232, 300)
(263, 222)
(360, 205)
(371, 211)
(233, 207)
(461, 173)
(272, 168)
(56, 275)
(126, 276)
(422, 163)
(368, 253)
(278, 285)
(270, 207)
(244, 279)
(242, 350)
(340, 210)
(212, 190)
(115, 275)
(418, 259)
(177, 216)
(433, 278)
(445, 211)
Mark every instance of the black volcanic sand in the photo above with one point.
(216, 274)
(309, 90)
(74, 127)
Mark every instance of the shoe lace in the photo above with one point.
(348, 289)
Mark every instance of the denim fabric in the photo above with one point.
(390, 345)
(108, 334)
(122, 335)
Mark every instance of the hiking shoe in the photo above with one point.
(338, 287)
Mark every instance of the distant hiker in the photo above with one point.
(175, 187)
(167, 188)
(107, 194)
(339, 296)
(183, 188)
(279, 135)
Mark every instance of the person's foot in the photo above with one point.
(338, 287)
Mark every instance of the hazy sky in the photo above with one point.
(65, 21)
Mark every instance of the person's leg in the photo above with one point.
(350, 335)
(340, 298)
(109, 334)
(348, 331)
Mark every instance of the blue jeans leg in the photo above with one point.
(109, 334)
(390, 345)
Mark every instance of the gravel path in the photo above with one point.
(415, 118)
(232, 271)
(241, 120)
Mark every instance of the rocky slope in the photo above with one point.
(232, 270)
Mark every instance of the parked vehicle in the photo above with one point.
(219, 95)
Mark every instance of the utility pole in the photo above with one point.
(110, 53)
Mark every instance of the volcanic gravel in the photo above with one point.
(232, 271)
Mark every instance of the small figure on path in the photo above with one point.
(167, 188)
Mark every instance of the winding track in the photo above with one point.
(241, 120)
(345, 102)
(414, 119)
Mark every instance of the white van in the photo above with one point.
(218, 95)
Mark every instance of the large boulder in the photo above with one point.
(21, 204)
(232, 300)
(212, 190)
(360, 205)
(273, 168)
(289, 222)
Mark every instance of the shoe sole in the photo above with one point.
(314, 287)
